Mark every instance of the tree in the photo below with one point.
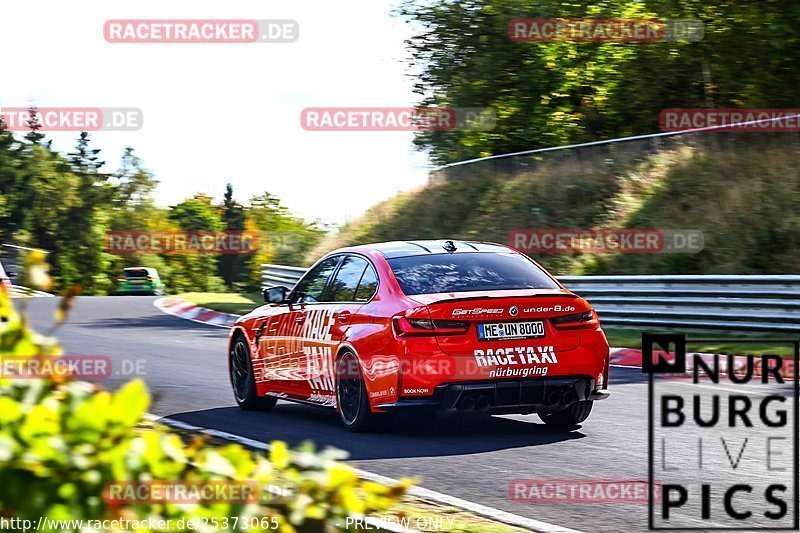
(195, 272)
(132, 202)
(10, 180)
(83, 225)
(284, 238)
(66, 204)
(34, 125)
(85, 160)
(551, 93)
(232, 267)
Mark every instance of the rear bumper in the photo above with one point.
(136, 289)
(144, 293)
(506, 397)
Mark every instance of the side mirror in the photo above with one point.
(275, 295)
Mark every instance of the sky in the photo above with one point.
(214, 113)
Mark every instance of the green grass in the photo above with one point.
(632, 338)
(225, 302)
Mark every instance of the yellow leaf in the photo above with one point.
(10, 411)
(279, 454)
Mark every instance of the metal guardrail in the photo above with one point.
(716, 302)
(719, 127)
(729, 302)
(273, 275)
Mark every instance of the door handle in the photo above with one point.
(344, 316)
(299, 319)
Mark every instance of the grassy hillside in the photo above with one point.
(742, 191)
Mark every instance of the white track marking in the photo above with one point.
(419, 492)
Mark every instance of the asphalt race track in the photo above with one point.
(186, 371)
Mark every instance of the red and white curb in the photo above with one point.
(176, 306)
(625, 357)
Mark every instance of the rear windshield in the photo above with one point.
(136, 273)
(464, 272)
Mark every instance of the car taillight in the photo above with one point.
(149, 278)
(449, 327)
(575, 320)
(122, 279)
(419, 323)
(422, 326)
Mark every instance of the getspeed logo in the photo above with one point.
(477, 311)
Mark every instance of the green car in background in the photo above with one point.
(140, 280)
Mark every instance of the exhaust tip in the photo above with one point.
(554, 398)
(483, 403)
(467, 404)
(569, 397)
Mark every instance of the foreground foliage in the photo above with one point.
(63, 441)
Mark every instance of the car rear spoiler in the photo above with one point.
(429, 299)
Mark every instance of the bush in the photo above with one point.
(62, 441)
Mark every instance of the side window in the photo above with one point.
(310, 288)
(367, 286)
(343, 288)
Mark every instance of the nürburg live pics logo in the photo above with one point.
(722, 436)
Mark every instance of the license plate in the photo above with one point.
(511, 330)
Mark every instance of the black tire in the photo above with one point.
(242, 381)
(570, 417)
(351, 395)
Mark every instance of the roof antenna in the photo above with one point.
(449, 247)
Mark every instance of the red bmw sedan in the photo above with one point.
(449, 326)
